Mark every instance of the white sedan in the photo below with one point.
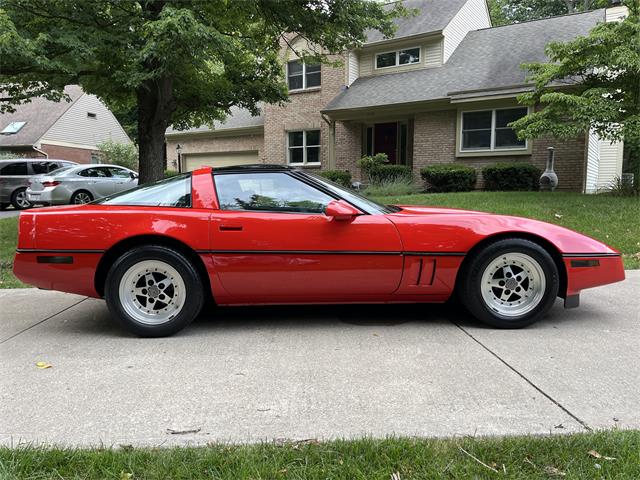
(80, 184)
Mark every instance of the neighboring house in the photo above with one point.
(65, 130)
(442, 90)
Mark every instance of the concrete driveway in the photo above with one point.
(250, 374)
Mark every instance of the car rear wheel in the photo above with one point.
(19, 199)
(153, 291)
(511, 283)
(81, 197)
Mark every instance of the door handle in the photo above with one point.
(230, 228)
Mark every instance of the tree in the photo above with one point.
(504, 12)
(174, 62)
(123, 154)
(591, 82)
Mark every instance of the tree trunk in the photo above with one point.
(155, 106)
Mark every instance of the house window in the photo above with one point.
(489, 130)
(407, 56)
(13, 127)
(301, 75)
(304, 147)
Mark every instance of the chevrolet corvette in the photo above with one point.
(266, 234)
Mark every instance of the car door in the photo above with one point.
(122, 179)
(271, 242)
(97, 180)
(15, 175)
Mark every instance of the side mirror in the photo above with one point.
(133, 176)
(341, 211)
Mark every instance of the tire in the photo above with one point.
(511, 283)
(19, 199)
(77, 197)
(139, 307)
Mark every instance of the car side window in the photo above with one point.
(170, 192)
(100, 172)
(119, 173)
(270, 192)
(18, 168)
(39, 167)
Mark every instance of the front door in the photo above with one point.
(271, 242)
(386, 139)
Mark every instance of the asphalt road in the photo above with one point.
(9, 213)
(251, 374)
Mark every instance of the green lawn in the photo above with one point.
(561, 456)
(613, 220)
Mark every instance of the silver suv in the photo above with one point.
(15, 175)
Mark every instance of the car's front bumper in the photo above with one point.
(588, 271)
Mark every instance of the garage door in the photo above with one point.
(223, 159)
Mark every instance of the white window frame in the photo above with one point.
(492, 147)
(397, 52)
(304, 77)
(304, 147)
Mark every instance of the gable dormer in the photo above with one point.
(424, 40)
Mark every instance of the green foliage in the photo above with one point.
(605, 93)
(341, 177)
(393, 186)
(381, 174)
(511, 176)
(123, 154)
(505, 12)
(369, 162)
(622, 188)
(171, 62)
(449, 177)
(9, 156)
(170, 173)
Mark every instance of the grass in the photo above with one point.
(532, 457)
(8, 240)
(612, 220)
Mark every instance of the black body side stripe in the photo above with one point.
(327, 252)
(57, 259)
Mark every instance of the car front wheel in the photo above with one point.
(153, 291)
(511, 283)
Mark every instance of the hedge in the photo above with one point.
(449, 177)
(390, 173)
(341, 177)
(511, 176)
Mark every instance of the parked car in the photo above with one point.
(80, 184)
(15, 175)
(276, 235)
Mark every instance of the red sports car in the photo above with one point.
(266, 234)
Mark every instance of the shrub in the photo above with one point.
(368, 163)
(123, 154)
(171, 173)
(511, 176)
(395, 187)
(449, 177)
(341, 177)
(10, 156)
(390, 173)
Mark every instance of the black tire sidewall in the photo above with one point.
(13, 199)
(193, 284)
(471, 291)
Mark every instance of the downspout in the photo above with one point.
(46, 155)
(332, 141)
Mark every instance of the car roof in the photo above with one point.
(13, 160)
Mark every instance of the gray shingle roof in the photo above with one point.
(238, 118)
(40, 114)
(486, 59)
(432, 16)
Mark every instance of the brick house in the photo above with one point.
(62, 130)
(442, 90)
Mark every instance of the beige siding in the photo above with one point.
(75, 127)
(472, 16)
(616, 14)
(430, 56)
(604, 163)
(353, 68)
(593, 159)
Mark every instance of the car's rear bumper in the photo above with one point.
(50, 196)
(588, 271)
(63, 270)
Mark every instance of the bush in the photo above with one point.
(341, 177)
(449, 177)
(368, 163)
(10, 156)
(389, 174)
(511, 176)
(171, 173)
(394, 187)
(123, 154)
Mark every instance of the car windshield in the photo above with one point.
(351, 196)
(170, 192)
(58, 171)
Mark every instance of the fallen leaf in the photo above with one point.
(559, 426)
(43, 365)
(553, 471)
(126, 476)
(171, 431)
(375, 335)
(594, 454)
(557, 215)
